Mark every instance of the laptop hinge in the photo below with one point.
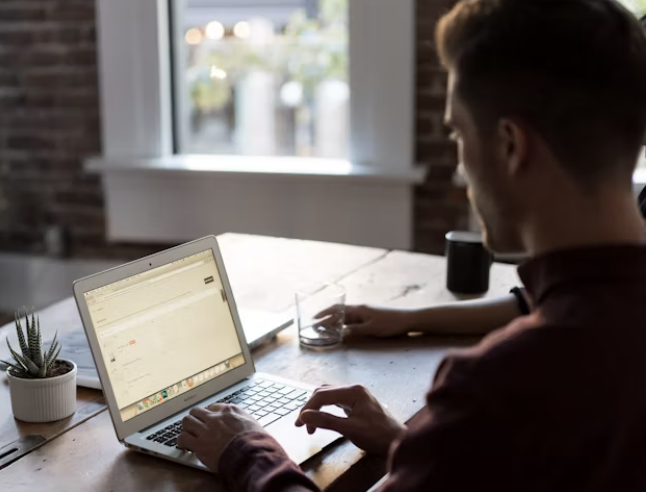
(196, 405)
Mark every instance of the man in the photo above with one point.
(546, 102)
(471, 317)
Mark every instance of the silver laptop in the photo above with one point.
(166, 337)
(259, 326)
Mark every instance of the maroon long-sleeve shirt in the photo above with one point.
(553, 402)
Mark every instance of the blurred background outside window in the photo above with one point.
(637, 7)
(262, 77)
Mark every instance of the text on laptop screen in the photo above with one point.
(164, 332)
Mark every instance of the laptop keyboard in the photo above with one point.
(266, 401)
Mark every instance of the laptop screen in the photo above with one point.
(164, 332)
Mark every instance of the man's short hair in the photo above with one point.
(574, 70)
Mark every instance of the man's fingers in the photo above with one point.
(323, 420)
(334, 310)
(193, 426)
(352, 314)
(345, 409)
(360, 329)
(345, 395)
(327, 312)
(218, 407)
(327, 322)
(200, 413)
(187, 441)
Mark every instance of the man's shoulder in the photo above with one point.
(532, 342)
(530, 365)
(515, 345)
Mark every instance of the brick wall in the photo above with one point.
(49, 122)
(438, 206)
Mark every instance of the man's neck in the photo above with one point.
(606, 218)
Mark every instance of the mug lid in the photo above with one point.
(464, 237)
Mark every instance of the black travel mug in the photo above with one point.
(469, 263)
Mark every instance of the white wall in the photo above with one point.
(154, 206)
(170, 207)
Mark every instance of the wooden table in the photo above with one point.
(81, 453)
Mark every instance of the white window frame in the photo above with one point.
(137, 130)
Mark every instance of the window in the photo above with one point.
(638, 7)
(261, 77)
(154, 178)
(146, 113)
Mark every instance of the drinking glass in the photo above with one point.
(319, 315)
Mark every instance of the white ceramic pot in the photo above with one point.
(43, 400)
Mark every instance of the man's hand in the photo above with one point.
(371, 321)
(368, 425)
(208, 432)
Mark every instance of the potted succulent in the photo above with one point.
(42, 387)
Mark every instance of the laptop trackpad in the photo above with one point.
(299, 445)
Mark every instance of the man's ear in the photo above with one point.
(513, 145)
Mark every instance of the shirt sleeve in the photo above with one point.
(444, 455)
(457, 443)
(255, 462)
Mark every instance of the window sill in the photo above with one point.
(271, 167)
(176, 199)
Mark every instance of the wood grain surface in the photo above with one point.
(398, 371)
(63, 317)
(264, 273)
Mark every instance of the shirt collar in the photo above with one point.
(611, 263)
